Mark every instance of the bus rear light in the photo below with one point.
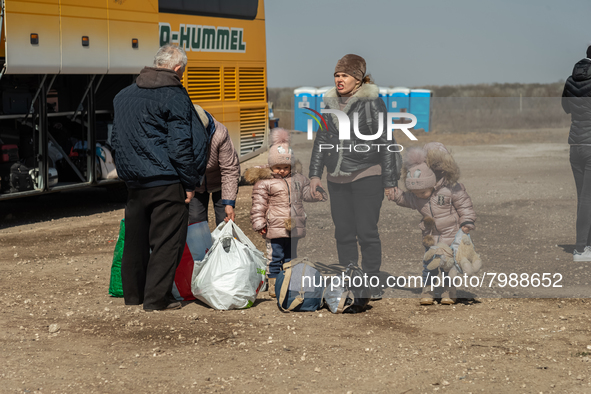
(85, 41)
(135, 43)
(34, 39)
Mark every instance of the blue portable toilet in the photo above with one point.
(398, 99)
(304, 97)
(383, 93)
(320, 96)
(320, 101)
(420, 106)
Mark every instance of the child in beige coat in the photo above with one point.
(431, 176)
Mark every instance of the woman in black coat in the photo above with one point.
(359, 170)
(576, 100)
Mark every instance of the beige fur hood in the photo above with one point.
(365, 92)
(255, 174)
(440, 160)
(277, 203)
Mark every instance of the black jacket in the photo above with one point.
(345, 161)
(158, 137)
(576, 100)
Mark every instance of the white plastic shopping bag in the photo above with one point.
(233, 271)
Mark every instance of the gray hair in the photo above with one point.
(169, 56)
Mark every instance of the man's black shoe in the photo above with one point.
(170, 307)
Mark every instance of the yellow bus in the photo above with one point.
(63, 61)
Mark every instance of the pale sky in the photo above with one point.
(427, 42)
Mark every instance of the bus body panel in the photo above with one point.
(77, 58)
(121, 59)
(215, 39)
(23, 18)
(227, 77)
(61, 25)
(128, 20)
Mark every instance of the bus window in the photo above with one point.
(236, 9)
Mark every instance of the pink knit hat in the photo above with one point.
(280, 152)
(419, 176)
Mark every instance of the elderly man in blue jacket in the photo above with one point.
(160, 149)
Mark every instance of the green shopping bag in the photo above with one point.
(115, 286)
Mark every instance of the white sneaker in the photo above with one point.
(584, 256)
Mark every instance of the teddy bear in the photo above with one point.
(466, 257)
(466, 260)
(439, 256)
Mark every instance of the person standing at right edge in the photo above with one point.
(357, 178)
(160, 150)
(576, 100)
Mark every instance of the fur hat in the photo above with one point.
(435, 145)
(419, 175)
(440, 160)
(280, 152)
(353, 65)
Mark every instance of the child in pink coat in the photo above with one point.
(277, 211)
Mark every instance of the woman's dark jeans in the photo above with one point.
(355, 209)
(199, 205)
(580, 162)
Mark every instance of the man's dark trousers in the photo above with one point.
(155, 219)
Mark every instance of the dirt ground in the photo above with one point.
(61, 332)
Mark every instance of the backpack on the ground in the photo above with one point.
(350, 295)
(299, 286)
(20, 178)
